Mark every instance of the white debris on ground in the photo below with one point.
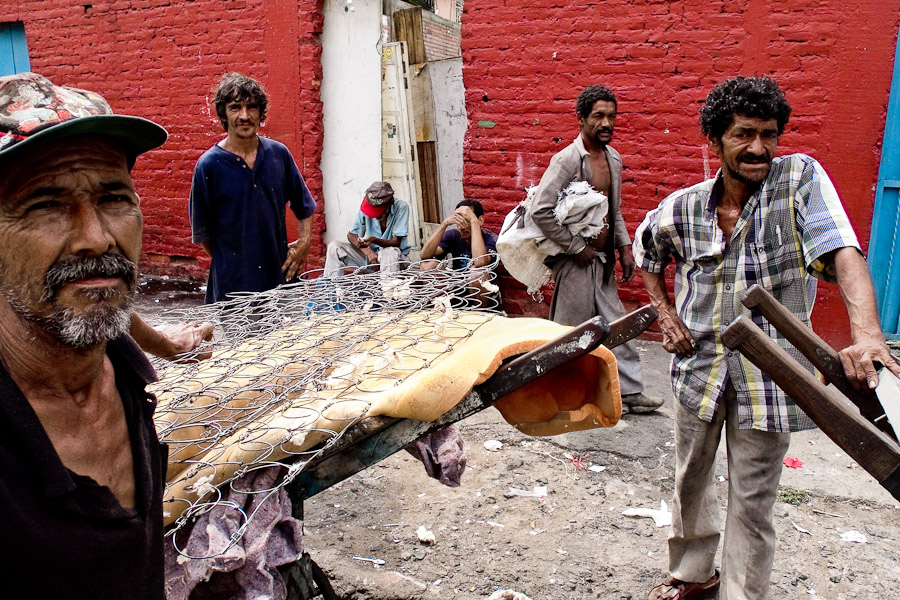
(492, 445)
(507, 595)
(425, 535)
(661, 517)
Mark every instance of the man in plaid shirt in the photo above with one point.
(776, 222)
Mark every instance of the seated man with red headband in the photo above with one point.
(378, 236)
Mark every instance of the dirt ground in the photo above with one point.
(575, 543)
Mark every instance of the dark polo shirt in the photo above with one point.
(240, 211)
(64, 536)
(453, 243)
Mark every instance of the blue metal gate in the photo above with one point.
(884, 246)
(13, 49)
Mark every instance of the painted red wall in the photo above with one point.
(525, 63)
(162, 60)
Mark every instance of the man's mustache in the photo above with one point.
(754, 158)
(87, 267)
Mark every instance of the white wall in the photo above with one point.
(351, 109)
(445, 9)
(450, 122)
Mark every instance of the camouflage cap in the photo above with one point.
(34, 111)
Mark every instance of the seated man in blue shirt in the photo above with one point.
(378, 236)
(470, 245)
(468, 240)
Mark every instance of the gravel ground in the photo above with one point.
(574, 542)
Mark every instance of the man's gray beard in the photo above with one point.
(99, 324)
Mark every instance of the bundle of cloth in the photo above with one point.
(522, 245)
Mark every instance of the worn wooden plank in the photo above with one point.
(836, 417)
(420, 89)
(630, 326)
(820, 354)
(428, 175)
(408, 28)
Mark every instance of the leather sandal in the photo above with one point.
(675, 589)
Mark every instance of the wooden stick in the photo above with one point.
(820, 354)
(837, 418)
(828, 514)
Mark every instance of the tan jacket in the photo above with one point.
(572, 164)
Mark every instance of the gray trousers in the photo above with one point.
(341, 254)
(754, 468)
(581, 294)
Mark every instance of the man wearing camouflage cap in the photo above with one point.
(81, 469)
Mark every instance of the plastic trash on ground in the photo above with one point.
(507, 595)
(538, 492)
(661, 517)
(793, 463)
(492, 445)
(425, 535)
(853, 536)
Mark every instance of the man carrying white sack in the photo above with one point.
(583, 272)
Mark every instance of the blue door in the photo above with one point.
(13, 49)
(884, 247)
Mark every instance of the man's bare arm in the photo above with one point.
(627, 262)
(363, 245)
(172, 342)
(355, 240)
(298, 250)
(432, 248)
(676, 337)
(393, 242)
(479, 249)
(868, 343)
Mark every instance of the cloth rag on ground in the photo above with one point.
(248, 568)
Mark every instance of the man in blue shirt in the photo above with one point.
(468, 240)
(239, 195)
(378, 236)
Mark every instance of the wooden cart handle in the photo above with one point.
(820, 354)
(836, 417)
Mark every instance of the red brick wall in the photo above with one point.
(525, 63)
(162, 60)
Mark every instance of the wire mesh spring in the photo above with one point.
(292, 368)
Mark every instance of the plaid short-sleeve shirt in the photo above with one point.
(784, 231)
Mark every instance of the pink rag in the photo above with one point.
(442, 454)
(249, 568)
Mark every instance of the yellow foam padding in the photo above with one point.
(389, 380)
(592, 381)
(584, 394)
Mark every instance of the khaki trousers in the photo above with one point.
(340, 254)
(754, 469)
(581, 294)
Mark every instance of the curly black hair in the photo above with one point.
(235, 87)
(590, 95)
(754, 97)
